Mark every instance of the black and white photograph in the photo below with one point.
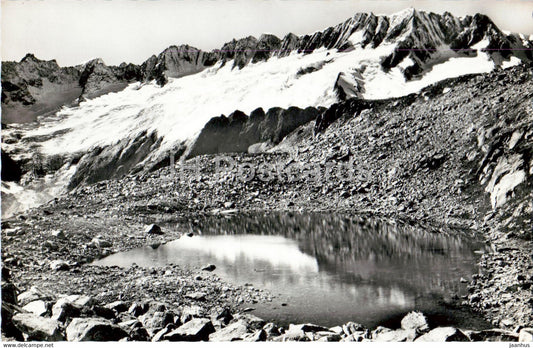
(266, 171)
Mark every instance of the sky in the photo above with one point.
(75, 31)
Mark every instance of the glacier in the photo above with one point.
(179, 110)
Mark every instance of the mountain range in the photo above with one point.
(68, 126)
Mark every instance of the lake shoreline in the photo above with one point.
(36, 239)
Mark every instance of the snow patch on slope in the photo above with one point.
(514, 61)
(357, 37)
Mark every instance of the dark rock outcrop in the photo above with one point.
(348, 109)
(114, 161)
(238, 132)
(11, 171)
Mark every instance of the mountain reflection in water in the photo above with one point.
(329, 268)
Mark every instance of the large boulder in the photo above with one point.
(8, 328)
(253, 321)
(526, 335)
(416, 321)
(443, 334)
(507, 175)
(351, 328)
(37, 328)
(156, 321)
(400, 335)
(92, 329)
(9, 293)
(193, 330)
(257, 336)
(38, 307)
(64, 309)
(232, 332)
(33, 294)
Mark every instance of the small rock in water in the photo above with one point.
(209, 268)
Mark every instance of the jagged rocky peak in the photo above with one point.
(97, 78)
(31, 67)
(30, 60)
(240, 51)
(267, 46)
(128, 71)
(34, 82)
(184, 60)
(176, 61)
(289, 43)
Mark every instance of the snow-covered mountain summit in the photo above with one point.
(131, 118)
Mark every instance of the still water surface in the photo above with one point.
(329, 269)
